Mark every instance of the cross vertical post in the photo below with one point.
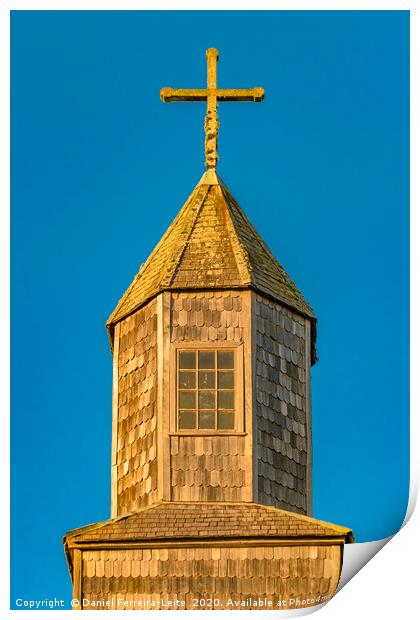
(211, 95)
(211, 123)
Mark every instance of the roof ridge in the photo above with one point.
(182, 244)
(242, 261)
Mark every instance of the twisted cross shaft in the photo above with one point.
(212, 95)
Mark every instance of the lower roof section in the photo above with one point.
(181, 521)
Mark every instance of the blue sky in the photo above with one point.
(100, 167)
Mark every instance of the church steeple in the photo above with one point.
(211, 420)
(213, 345)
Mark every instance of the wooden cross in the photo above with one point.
(212, 95)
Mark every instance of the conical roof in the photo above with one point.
(211, 244)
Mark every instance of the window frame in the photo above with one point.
(238, 370)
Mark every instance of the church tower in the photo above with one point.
(211, 429)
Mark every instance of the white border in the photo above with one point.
(386, 586)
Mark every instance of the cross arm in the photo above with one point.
(240, 94)
(183, 94)
(223, 94)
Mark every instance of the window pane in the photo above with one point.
(187, 400)
(226, 400)
(206, 359)
(225, 379)
(206, 379)
(187, 359)
(187, 379)
(216, 407)
(225, 359)
(206, 419)
(226, 420)
(187, 419)
(206, 399)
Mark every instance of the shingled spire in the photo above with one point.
(211, 244)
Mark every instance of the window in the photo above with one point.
(206, 389)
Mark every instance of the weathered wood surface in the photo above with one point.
(208, 468)
(215, 316)
(281, 405)
(222, 573)
(137, 421)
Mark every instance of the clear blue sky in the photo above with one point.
(99, 169)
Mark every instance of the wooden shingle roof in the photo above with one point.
(211, 244)
(207, 520)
